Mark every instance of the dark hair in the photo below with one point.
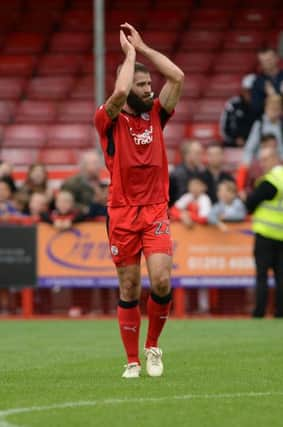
(139, 67)
(267, 137)
(9, 182)
(265, 49)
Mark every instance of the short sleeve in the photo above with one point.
(102, 121)
(163, 115)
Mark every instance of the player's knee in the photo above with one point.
(129, 290)
(161, 284)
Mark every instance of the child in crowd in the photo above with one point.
(65, 214)
(194, 206)
(38, 205)
(229, 207)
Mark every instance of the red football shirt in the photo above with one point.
(135, 156)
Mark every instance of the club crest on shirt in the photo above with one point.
(145, 116)
(142, 138)
(114, 250)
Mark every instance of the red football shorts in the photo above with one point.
(136, 229)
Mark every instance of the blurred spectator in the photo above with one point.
(37, 181)
(21, 202)
(38, 204)
(191, 166)
(269, 81)
(194, 206)
(7, 207)
(238, 115)
(85, 186)
(214, 173)
(229, 207)
(246, 177)
(65, 214)
(270, 122)
(97, 208)
(6, 170)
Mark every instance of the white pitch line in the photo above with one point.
(115, 401)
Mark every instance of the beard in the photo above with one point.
(137, 104)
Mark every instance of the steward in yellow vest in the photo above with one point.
(266, 205)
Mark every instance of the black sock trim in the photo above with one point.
(161, 300)
(128, 304)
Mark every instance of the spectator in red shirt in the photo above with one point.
(65, 214)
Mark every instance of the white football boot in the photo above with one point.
(132, 370)
(154, 365)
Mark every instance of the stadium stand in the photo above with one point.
(46, 62)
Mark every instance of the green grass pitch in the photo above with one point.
(218, 373)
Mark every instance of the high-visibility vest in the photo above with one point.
(268, 217)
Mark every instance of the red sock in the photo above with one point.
(157, 309)
(129, 318)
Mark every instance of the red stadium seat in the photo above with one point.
(58, 156)
(16, 65)
(83, 88)
(36, 21)
(260, 3)
(79, 42)
(194, 62)
(172, 18)
(174, 134)
(47, 4)
(50, 87)
(56, 64)
(161, 40)
(36, 112)
(70, 136)
(11, 88)
(235, 62)
(208, 110)
(134, 16)
(253, 18)
(113, 59)
(24, 136)
(24, 43)
(272, 38)
(279, 20)
(177, 4)
(19, 156)
(81, 4)
(222, 4)
(201, 40)
(194, 85)
(184, 110)
(7, 109)
(9, 19)
(208, 19)
(77, 20)
(243, 39)
(204, 132)
(75, 112)
(223, 85)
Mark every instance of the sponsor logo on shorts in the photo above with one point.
(114, 250)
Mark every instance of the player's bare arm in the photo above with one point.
(171, 91)
(124, 80)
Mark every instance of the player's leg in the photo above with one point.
(129, 316)
(159, 301)
(157, 247)
(125, 249)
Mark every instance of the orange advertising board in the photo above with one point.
(203, 256)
